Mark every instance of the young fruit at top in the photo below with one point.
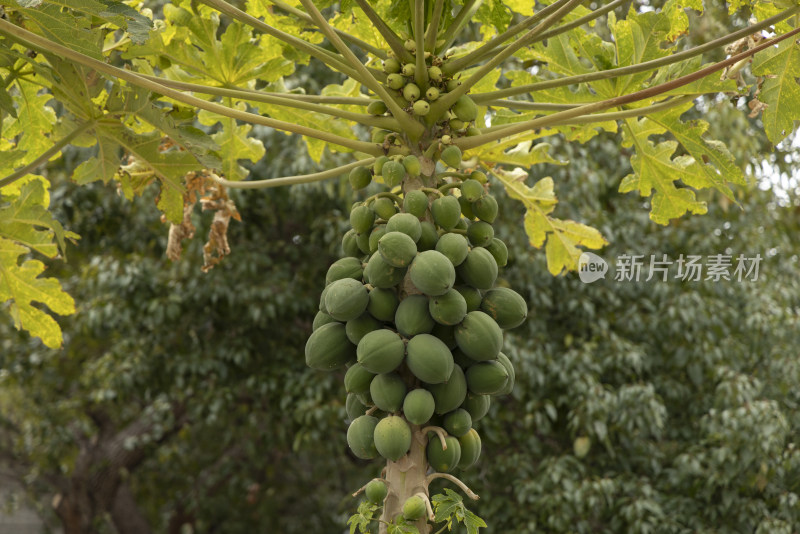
(472, 131)
(435, 74)
(379, 136)
(395, 81)
(421, 108)
(384, 208)
(452, 85)
(410, 45)
(485, 208)
(391, 65)
(360, 177)
(452, 156)
(361, 219)
(377, 167)
(478, 176)
(432, 93)
(472, 190)
(392, 437)
(412, 165)
(457, 124)
(411, 92)
(409, 69)
(465, 109)
(446, 139)
(376, 107)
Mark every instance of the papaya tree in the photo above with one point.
(439, 102)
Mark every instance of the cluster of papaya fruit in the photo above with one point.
(413, 312)
(416, 94)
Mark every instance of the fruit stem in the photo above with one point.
(439, 432)
(453, 174)
(425, 498)
(431, 190)
(468, 492)
(383, 194)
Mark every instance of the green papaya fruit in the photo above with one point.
(485, 209)
(376, 491)
(328, 347)
(458, 422)
(472, 297)
(360, 177)
(362, 240)
(361, 326)
(357, 379)
(479, 337)
(375, 236)
(498, 251)
(346, 299)
(466, 208)
(432, 273)
(414, 508)
(411, 92)
(505, 306)
(361, 219)
(465, 109)
(344, 268)
(454, 247)
(380, 351)
(412, 316)
(388, 391)
(470, 449)
(391, 65)
(381, 274)
(443, 460)
(392, 437)
(377, 108)
(477, 405)
(409, 69)
(512, 376)
(397, 249)
(451, 156)
(350, 246)
(321, 319)
(471, 190)
(480, 233)
(428, 237)
(432, 94)
(487, 378)
(479, 176)
(383, 304)
(446, 211)
(418, 406)
(353, 407)
(413, 166)
(406, 223)
(384, 208)
(429, 359)
(451, 394)
(479, 269)
(395, 81)
(361, 437)
(421, 108)
(449, 308)
(435, 73)
(393, 173)
(416, 203)
(377, 167)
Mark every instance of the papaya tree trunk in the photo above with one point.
(406, 478)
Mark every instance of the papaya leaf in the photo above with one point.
(63, 27)
(716, 163)
(450, 508)
(359, 522)
(401, 526)
(26, 225)
(517, 150)
(234, 144)
(656, 170)
(34, 123)
(780, 91)
(561, 238)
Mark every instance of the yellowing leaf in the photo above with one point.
(561, 237)
(780, 90)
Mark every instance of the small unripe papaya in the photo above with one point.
(377, 167)
(457, 124)
(376, 107)
(416, 203)
(465, 109)
(410, 45)
(421, 108)
(432, 93)
(360, 177)
(384, 208)
(376, 491)
(452, 85)
(411, 92)
(393, 173)
(391, 65)
(409, 69)
(452, 156)
(435, 73)
(412, 165)
(414, 508)
(471, 190)
(395, 81)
